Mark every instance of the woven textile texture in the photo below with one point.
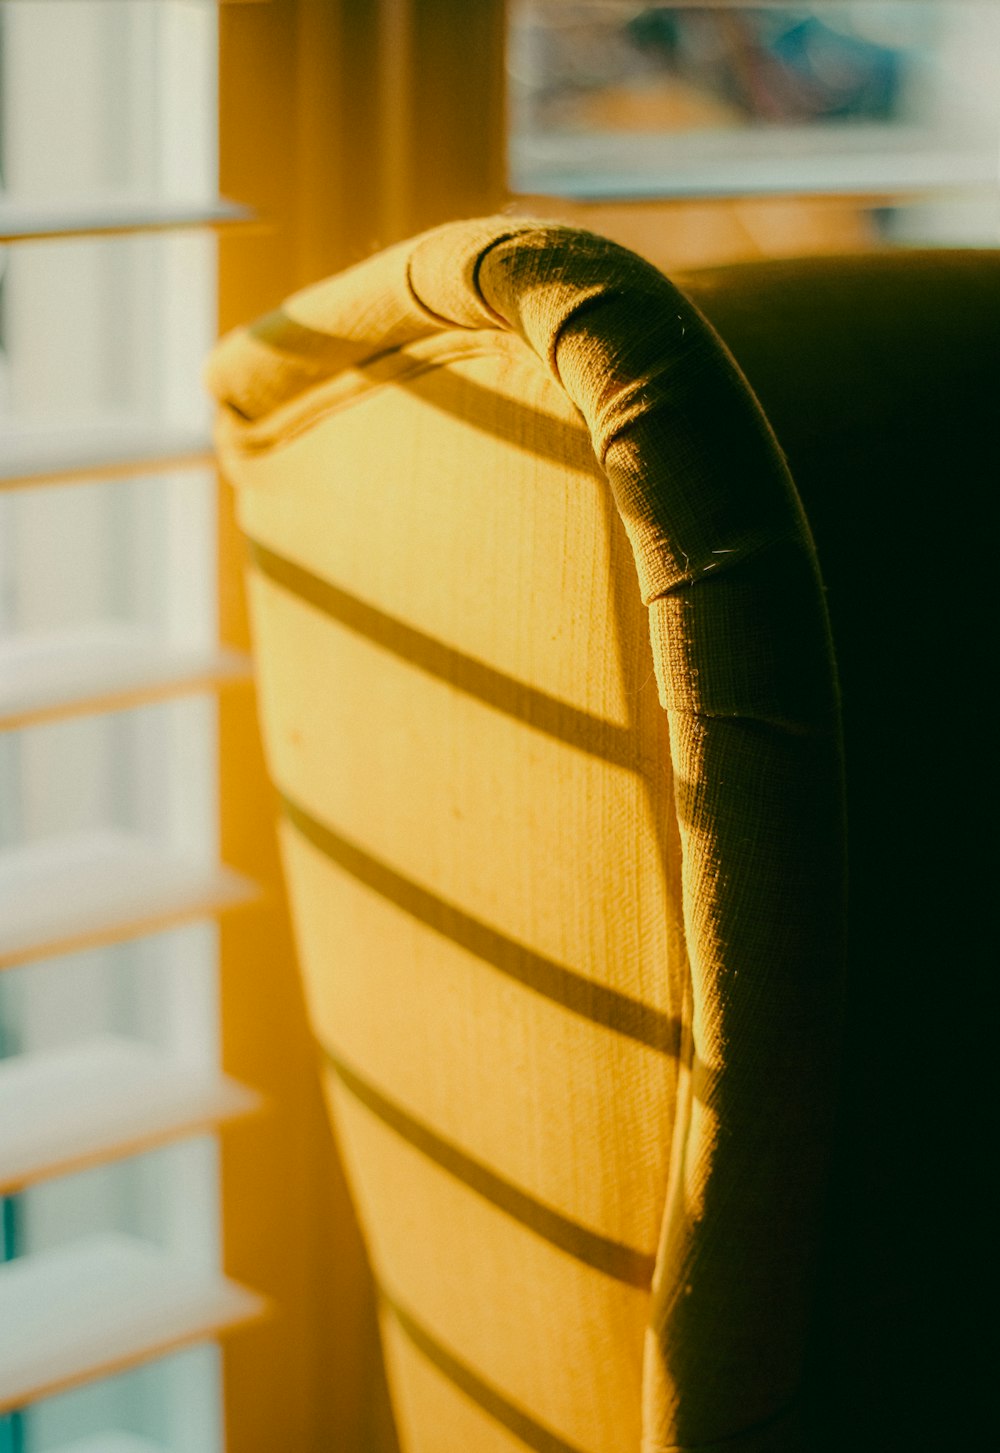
(548, 691)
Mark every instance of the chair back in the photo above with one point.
(548, 695)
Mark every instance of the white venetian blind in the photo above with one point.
(111, 1293)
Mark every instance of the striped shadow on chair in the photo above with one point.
(556, 1013)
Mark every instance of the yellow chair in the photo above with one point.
(548, 693)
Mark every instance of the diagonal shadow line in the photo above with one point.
(541, 434)
(615, 1259)
(595, 1002)
(569, 724)
(489, 1399)
(321, 356)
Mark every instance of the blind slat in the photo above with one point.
(111, 1443)
(103, 451)
(98, 1306)
(103, 887)
(108, 1097)
(103, 669)
(32, 221)
(767, 161)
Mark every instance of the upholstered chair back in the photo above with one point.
(548, 695)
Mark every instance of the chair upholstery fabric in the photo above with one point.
(574, 955)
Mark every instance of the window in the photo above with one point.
(129, 763)
(110, 1082)
(706, 133)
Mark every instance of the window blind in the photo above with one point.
(110, 883)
